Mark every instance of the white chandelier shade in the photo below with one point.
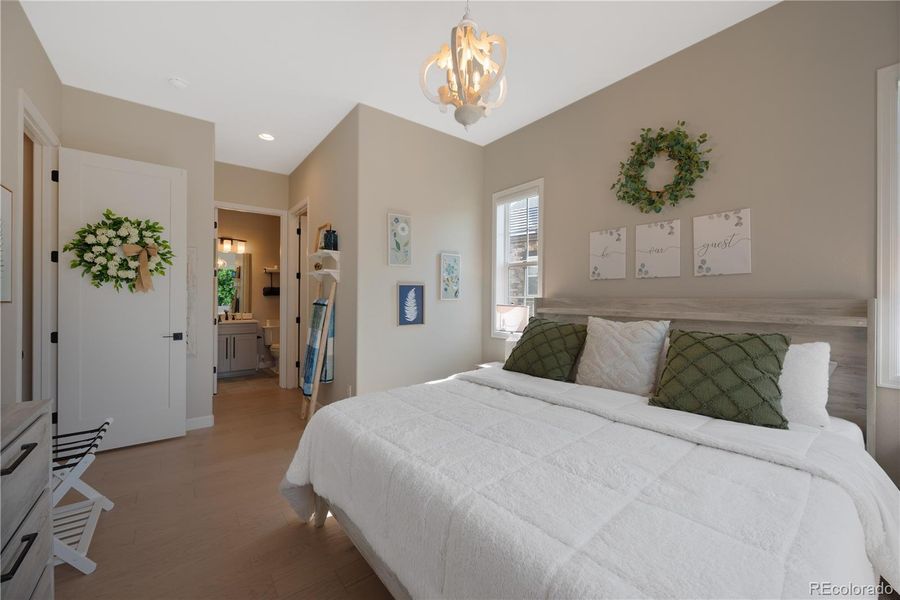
(473, 63)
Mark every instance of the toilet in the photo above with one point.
(270, 339)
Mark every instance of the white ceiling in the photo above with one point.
(294, 69)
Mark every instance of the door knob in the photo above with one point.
(175, 336)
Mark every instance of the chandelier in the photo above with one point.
(474, 63)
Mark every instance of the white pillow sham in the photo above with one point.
(622, 356)
(804, 384)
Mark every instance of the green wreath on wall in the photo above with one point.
(677, 145)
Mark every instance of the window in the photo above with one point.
(888, 351)
(517, 256)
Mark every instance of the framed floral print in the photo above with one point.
(399, 240)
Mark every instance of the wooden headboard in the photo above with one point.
(848, 325)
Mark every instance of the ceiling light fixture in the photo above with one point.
(178, 82)
(266, 136)
(474, 65)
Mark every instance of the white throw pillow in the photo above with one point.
(622, 356)
(804, 384)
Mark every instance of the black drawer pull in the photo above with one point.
(27, 450)
(28, 540)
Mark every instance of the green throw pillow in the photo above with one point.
(548, 349)
(731, 376)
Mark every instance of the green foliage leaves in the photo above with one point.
(227, 287)
(677, 145)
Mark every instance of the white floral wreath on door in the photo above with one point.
(122, 251)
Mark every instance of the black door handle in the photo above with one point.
(27, 448)
(175, 336)
(28, 540)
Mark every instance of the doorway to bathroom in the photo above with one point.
(250, 308)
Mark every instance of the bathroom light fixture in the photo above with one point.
(228, 245)
(474, 65)
(266, 136)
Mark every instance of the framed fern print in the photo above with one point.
(399, 240)
(410, 304)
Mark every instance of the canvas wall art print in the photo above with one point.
(657, 249)
(608, 254)
(410, 303)
(450, 263)
(399, 240)
(722, 243)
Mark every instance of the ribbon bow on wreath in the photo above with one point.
(144, 252)
(142, 283)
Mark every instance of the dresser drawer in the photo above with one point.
(44, 588)
(28, 552)
(25, 464)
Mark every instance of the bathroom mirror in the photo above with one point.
(234, 281)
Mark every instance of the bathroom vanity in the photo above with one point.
(238, 347)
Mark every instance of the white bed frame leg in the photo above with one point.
(321, 512)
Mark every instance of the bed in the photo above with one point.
(492, 484)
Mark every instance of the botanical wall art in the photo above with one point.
(122, 251)
(722, 243)
(657, 249)
(675, 145)
(449, 283)
(410, 303)
(399, 240)
(608, 254)
(5, 245)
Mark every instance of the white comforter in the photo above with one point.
(498, 485)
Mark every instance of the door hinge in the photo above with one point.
(54, 337)
(54, 256)
(298, 231)
(297, 363)
(54, 418)
(215, 224)
(214, 369)
(297, 320)
(54, 176)
(298, 275)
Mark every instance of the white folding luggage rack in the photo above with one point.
(74, 524)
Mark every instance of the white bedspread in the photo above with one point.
(499, 485)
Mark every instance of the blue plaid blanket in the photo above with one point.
(312, 347)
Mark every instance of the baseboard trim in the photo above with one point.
(199, 422)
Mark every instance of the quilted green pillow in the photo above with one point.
(547, 349)
(730, 376)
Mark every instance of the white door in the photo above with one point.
(117, 353)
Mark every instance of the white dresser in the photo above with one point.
(26, 528)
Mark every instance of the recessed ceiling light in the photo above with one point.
(178, 82)
(266, 136)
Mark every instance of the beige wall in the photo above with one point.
(263, 235)
(328, 179)
(437, 179)
(242, 185)
(106, 125)
(24, 66)
(788, 99)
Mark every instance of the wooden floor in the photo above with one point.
(201, 516)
